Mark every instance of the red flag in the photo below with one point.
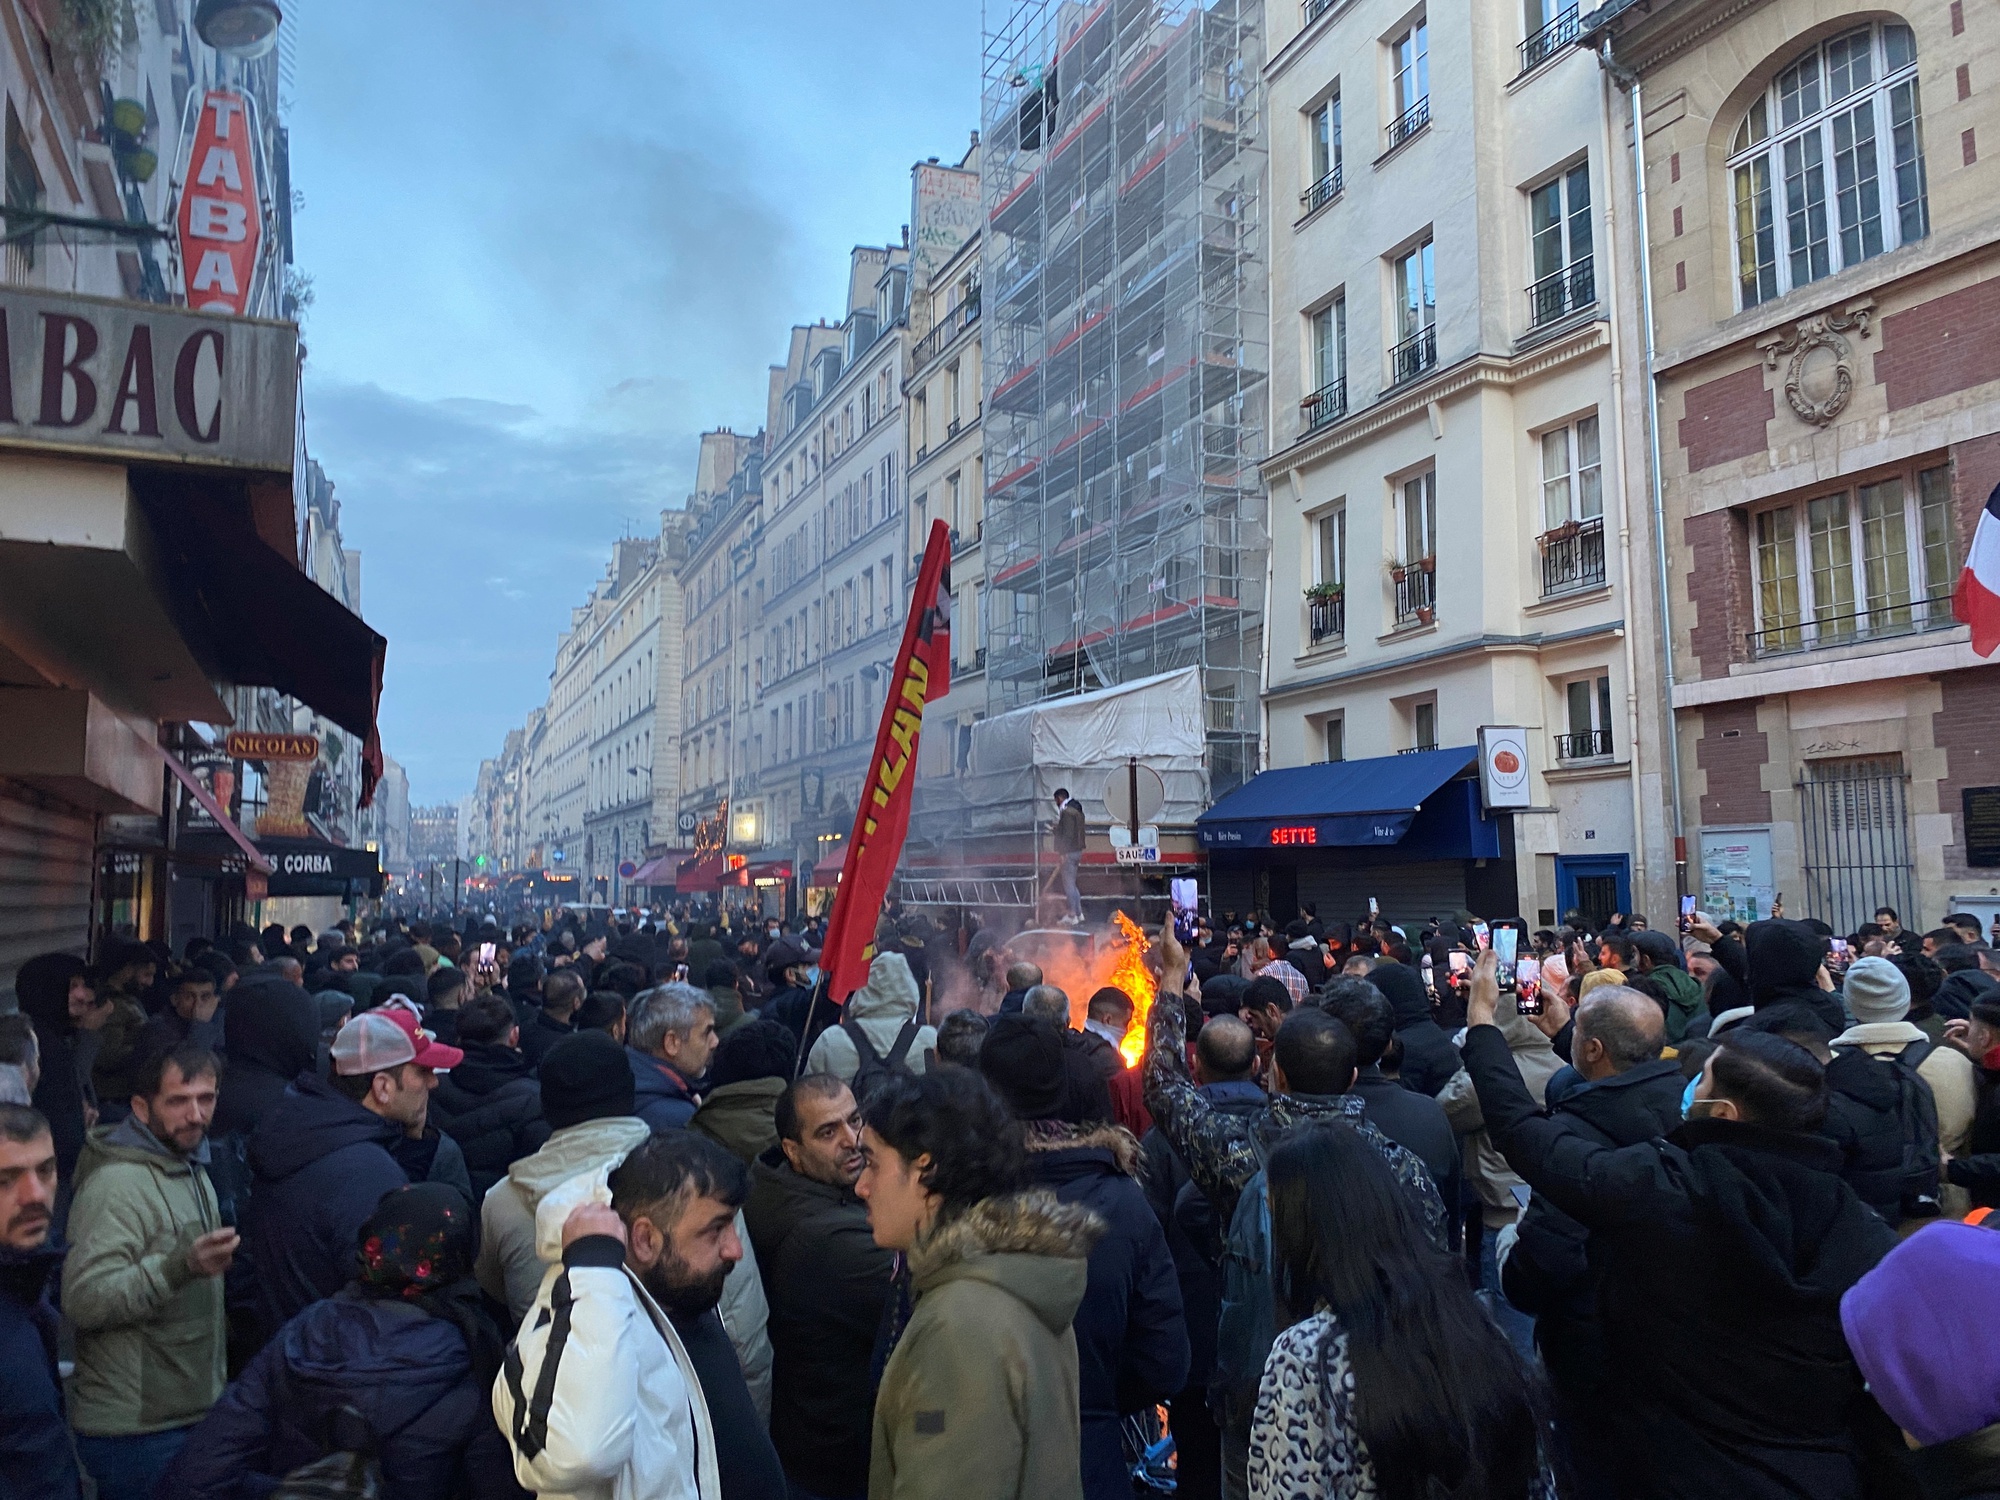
(922, 673)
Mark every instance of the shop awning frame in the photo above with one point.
(1339, 804)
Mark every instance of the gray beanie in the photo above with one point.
(1876, 990)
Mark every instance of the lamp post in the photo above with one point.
(242, 29)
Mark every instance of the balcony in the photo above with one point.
(1885, 622)
(1572, 557)
(1416, 591)
(1409, 122)
(1592, 744)
(1416, 354)
(944, 332)
(1315, 9)
(1326, 614)
(1322, 192)
(1327, 404)
(1563, 292)
(1550, 40)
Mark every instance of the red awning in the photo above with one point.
(697, 877)
(826, 873)
(251, 853)
(771, 869)
(656, 871)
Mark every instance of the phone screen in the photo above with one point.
(1505, 941)
(488, 952)
(1528, 987)
(1461, 967)
(1374, 907)
(1181, 891)
(1687, 912)
(1482, 935)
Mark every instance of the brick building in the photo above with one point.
(1823, 331)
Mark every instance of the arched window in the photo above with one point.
(1827, 167)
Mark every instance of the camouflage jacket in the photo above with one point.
(1217, 1146)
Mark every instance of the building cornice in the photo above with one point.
(1407, 403)
(1485, 645)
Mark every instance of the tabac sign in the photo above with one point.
(221, 222)
(136, 381)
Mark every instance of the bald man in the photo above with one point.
(1628, 1094)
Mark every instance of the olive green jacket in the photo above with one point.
(150, 1346)
(979, 1401)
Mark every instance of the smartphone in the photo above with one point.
(488, 955)
(1181, 892)
(1528, 987)
(1461, 969)
(1687, 912)
(1506, 940)
(1841, 949)
(1374, 910)
(1482, 935)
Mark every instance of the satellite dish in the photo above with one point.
(1118, 788)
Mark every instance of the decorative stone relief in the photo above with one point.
(1819, 369)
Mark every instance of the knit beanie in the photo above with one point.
(1875, 990)
(1022, 1057)
(1598, 977)
(586, 1077)
(1921, 1327)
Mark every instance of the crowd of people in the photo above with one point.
(628, 1209)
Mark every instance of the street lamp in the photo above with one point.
(875, 669)
(238, 28)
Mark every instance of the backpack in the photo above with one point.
(872, 1067)
(1247, 1323)
(1910, 1113)
(348, 1471)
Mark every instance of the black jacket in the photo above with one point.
(1069, 830)
(1742, 1386)
(1966, 1468)
(827, 1282)
(745, 1462)
(1429, 1059)
(42, 990)
(1962, 989)
(1785, 959)
(1978, 1170)
(1417, 1123)
(37, 1459)
(1131, 1335)
(1863, 1118)
(539, 1033)
(492, 1106)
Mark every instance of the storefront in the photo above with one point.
(1412, 832)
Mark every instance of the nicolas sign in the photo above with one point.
(132, 381)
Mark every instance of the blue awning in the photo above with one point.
(1341, 804)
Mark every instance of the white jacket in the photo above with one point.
(514, 1258)
(881, 1008)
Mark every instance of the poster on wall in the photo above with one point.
(1736, 880)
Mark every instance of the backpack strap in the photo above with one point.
(1913, 1055)
(864, 1050)
(904, 1039)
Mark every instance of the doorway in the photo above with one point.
(1597, 886)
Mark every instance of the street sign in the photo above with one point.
(1138, 854)
(687, 822)
(1118, 788)
(627, 869)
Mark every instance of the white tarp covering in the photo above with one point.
(1020, 758)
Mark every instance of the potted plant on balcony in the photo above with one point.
(1324, 593)
(1398, 572)
(1426, 565)
(1425, 614)
(1562, 533)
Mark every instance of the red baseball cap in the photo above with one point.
(388, 1037)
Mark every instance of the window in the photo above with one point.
(1587, 706)
(1323, 148)
(1424, 725)
(1326, 335)
(1572, 474)
(1326, 599)
(1416, 313)
(951, 396)
(1419, 517)
(1410, 60)
(1336, 736)
(24, 185)
(1331, 562)
(1876, 560)
(1551, 27)
(953, 483)
(1559, 243)
(1827, 167)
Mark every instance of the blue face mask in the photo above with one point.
(812, 975)
(1687, 1096)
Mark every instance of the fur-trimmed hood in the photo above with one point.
(1027, 1244)
(1043, 1136)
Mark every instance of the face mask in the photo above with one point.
(812, 975)
(1687, 1095)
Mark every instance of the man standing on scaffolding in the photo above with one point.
(1069, 852)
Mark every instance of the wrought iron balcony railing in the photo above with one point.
(1563, 292)
(1416, 354)
(1327, 404)
(1572, 557)
(1409, 122)
(1416, 592)
(1884, 622)
(1322, 192)
(1591, 743)
(1550, 40)
(1326, 617)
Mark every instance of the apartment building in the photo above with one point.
(1447, 548)
(824, 595)
(1824, 292)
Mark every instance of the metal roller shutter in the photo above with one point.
(1410, 894)
(46, 858)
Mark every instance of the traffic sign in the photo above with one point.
(627, 869)
(1119, 784)
(688, 822)
(1138, 854)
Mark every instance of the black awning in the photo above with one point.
(255, 618)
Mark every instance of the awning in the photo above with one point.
(262, 622)
(770, 869)
(310, 867)
(697, 877)
(251, 853)
(1340, 804)
(656, 871)
(826, 874)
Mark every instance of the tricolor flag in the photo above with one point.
(1976, 600)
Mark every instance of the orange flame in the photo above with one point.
(1131, 975)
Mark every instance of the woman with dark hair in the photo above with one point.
(981, 1393)
(1390, 1380)
(402, 1359)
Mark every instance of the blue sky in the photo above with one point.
(550, 244)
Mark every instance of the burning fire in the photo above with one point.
(1130, 974)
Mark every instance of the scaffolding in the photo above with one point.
(1126, 354)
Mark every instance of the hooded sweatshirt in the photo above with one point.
(1785, 959)
(150, 1347)
(1485, 1168)
(880, 1008)
(508, 1266)
(980, 1400)
(42, 988)
(1429, 1059)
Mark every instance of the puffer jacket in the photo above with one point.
(1131, 1336)
(662, 1097)
(980, 1399)
(407, 1373)
(150, 1346)
(880, 1008)
(491, 1105)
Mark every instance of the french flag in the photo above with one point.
(1976, 600)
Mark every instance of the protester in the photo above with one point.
(1020, 978)
(787, 964)
(143, 1282)
(445, 994)
(55, 992)
(1388, 1378)
(880, 1030)
(1107, 1017)
(827, 1283)
(1920, 1325)
(1132, 1342)
(189, 1019)
(979, 1399)
(752, 1066)
(127, 972)
(491, 1103)
(669, 1040)
(1429, 1059)
(1787, 966)
(323, 1156)
(406, 1347)
(959, 1037)
(1746, 1388)
(1266, 1003)
(724, 984)
(561, 994)
(37, 1459)
(1068, 840)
